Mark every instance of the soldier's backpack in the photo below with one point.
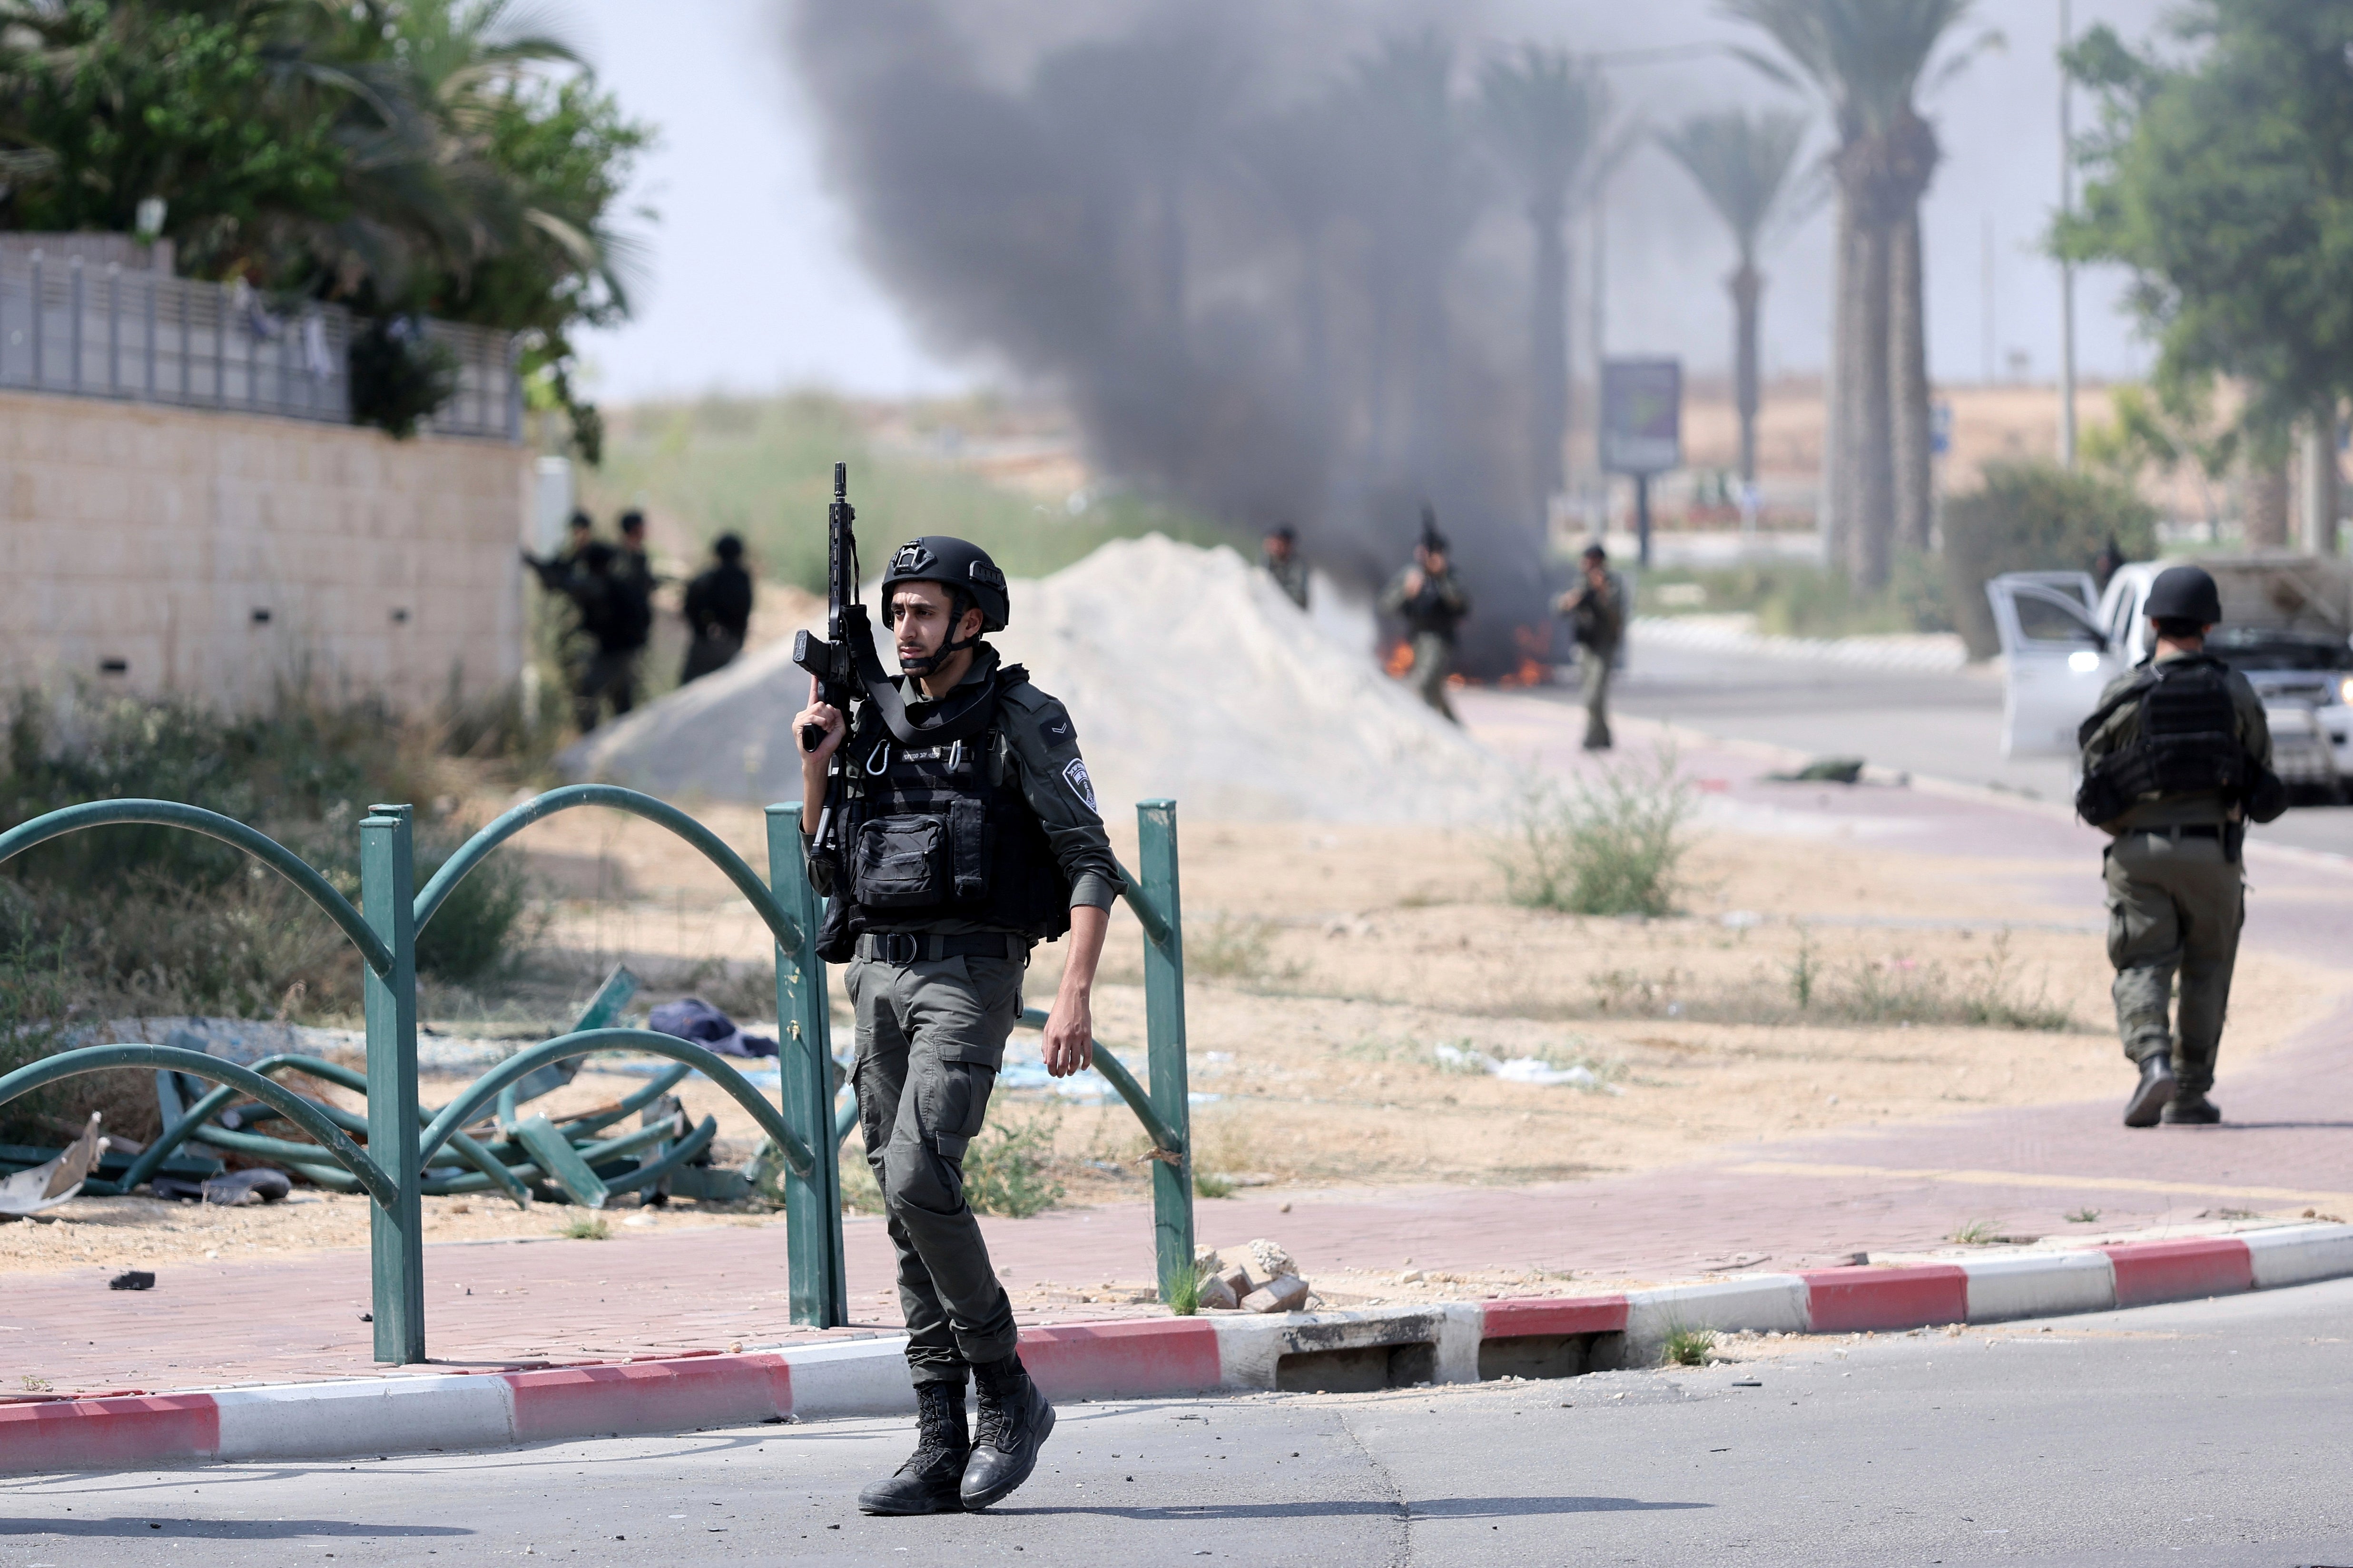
(2189, 744)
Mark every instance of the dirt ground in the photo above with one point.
(1346, 982)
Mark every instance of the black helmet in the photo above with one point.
(961, 566)
(2184, 594)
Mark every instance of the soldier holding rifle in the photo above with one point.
(1432, 603)
(949, 817)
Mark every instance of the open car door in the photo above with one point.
(2057, 658)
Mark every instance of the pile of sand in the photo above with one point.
(1188, 675)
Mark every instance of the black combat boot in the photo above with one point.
(2155, 1091)
(1014, 1421)
(2191, 1109)
(927, 1482)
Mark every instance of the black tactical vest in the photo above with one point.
(2189, 741)
(942, 832)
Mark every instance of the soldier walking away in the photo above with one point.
(1284, 564)
(718, 610)
(1597, 611)
(2177, 759)
(1432, 604)
(945, 864)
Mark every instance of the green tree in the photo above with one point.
(2222, 174)
(2034, 517)
(226, 112)
(1741, 163)
(1544, 114)
(451, 156)
(1867, 60)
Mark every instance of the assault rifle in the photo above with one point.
(849, 673)
(834, 661)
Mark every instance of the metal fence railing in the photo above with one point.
(488, 400)
(92, 331)
(410, 1149)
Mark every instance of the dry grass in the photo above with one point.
(1376, 946)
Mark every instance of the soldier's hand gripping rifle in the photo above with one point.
(834, 661)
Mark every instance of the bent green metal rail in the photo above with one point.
(301, 1111)
(395, 1168)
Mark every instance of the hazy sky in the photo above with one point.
(756, 284)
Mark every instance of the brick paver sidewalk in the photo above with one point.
(1789, 1204)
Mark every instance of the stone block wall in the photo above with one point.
(216, 556)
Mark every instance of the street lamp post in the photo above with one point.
(2066, 268)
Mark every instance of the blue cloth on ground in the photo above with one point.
(692, 1019)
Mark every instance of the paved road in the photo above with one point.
(1943, 725)
(2205, 1433)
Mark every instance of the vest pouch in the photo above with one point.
(2266, 797)
(968, 833)
(2196, 764)
(902, 863)
(2099, 798)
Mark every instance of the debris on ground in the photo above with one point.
(692, 1019)
(132, 1279)
(258, 1184)
(1824, 770)
(1523, 1070)
(1284, 1293)
(1256, 1277)
(54, 1180)
(505, 1150)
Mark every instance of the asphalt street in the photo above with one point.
(2206, 1433)
(1940, 725)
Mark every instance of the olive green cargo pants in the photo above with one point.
(1593, 668)
(1434, 661)
(931, 1036)
(2174, 906)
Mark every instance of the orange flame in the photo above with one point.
(1399, 660)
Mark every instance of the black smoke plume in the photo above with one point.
(1271, 269)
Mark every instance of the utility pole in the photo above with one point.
(1985, 305)
(1597, 292)
(2066, 269)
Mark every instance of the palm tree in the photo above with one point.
(1866, 59)
(1543, 113)
(1741, 164)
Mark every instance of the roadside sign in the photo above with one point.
(1641, 416)
(550, 504)
(1940, 429)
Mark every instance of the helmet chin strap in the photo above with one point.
(926, 663)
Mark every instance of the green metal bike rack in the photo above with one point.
(391, 1170)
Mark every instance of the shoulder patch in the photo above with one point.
(1074, 773)
(1058, 729)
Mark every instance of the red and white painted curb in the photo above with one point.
(1136, 1358)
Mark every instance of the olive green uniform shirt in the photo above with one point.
(1038, 747)
(1435, 610)
(1289, 574)
(2122, 728)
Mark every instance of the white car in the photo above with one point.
(2286, 621)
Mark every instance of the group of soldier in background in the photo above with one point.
(608, 590)
(1429, 600)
